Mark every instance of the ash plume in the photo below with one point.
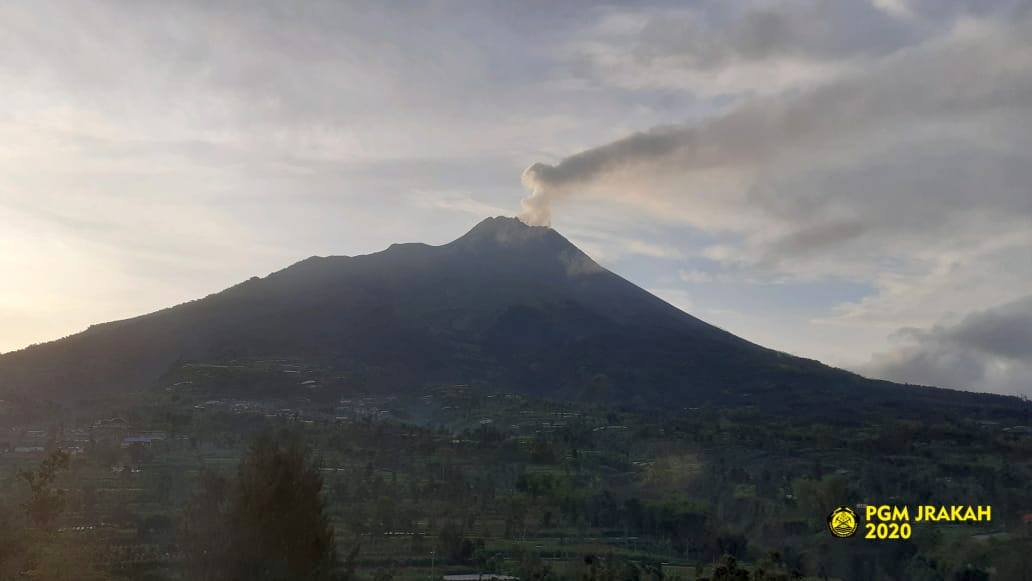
(550, 183)
(757, 133)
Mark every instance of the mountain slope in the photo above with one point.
(506, 306)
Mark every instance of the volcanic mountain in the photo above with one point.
(505, 307)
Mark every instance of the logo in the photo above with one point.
(842, 522)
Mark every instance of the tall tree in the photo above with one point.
(272, 526)
(45, 500)
(204, 530)
(39, 550)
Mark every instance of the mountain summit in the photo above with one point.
(506, 306)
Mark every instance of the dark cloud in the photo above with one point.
(990, 349)
(880, 142)
(1004, 332)
(968, 89)
(808, 29)
(894, 155)
(819, 236)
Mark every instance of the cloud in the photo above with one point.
(458, 202)
(922, 150)
(643, 248)
(989, 349)
(962, 88)
(547, 182)
(735, 49)
(158, 153)
(620, 246)
(894, 8)
(805, 29)
(904, 169)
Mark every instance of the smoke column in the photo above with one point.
(537, 207)
(759, 131)
(550, 183)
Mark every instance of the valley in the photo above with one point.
(459, 479)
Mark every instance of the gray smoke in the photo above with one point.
(550, 182)
(931, 86)
(991, 349)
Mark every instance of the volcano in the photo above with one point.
(506, 307)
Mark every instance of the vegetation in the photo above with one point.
(268, 524)
(45, 502)
(455, 480)
(265, 431)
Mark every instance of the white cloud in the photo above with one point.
(152, 154)
(908, 173)
(458, 202)
(644, 248)
(895, 8)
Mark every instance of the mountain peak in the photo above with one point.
(505, 231)
(504, 224)
(507, 305)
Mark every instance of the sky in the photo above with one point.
(847, 181)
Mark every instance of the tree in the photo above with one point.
(1016, 565)
(204, 530)
(268, 525)
(727, 570)
(772, 568)
(64, 558)
(13, 542)
(39, 551)
(278, 516)
(45, 501)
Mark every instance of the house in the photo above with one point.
(109, 429)
(111, 424)
(145, 439)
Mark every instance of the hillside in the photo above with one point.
(506, 306)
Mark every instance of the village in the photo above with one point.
(455, 481)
